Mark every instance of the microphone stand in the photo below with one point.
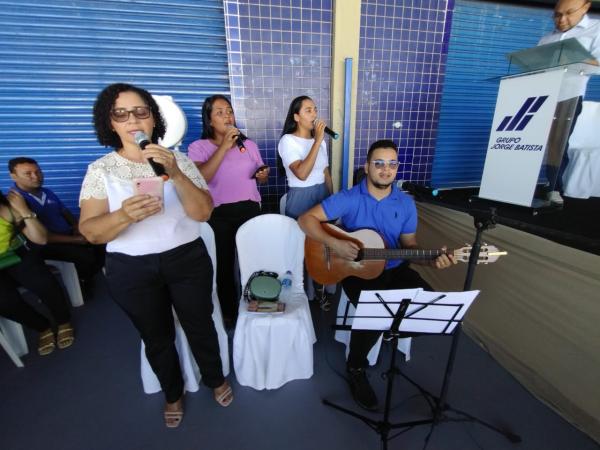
(383, 427)
(483, 220)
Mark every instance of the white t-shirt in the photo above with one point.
(112, 177)
(293, 148)
(587, 32)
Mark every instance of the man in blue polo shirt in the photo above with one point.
(377, 204)
(65, 243)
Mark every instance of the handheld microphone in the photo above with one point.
(143, 140)
(418, 190)
(240, 142)
(330, 132)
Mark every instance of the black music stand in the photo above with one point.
(445, 326)
(484, 219)
(382, 427)
(438, 405)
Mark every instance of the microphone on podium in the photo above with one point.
(418, 190)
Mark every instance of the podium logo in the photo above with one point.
(519, 121)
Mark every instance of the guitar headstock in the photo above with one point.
(487, 254)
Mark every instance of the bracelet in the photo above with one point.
(29, 216)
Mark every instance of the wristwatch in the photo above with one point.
(29, 216)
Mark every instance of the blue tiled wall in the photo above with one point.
(403, 48)
(278, 50)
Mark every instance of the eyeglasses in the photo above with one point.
(558, 15)
(122, 114)
(381, 163)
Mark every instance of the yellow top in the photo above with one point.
(9, 239)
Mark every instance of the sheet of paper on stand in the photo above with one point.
(429, 312)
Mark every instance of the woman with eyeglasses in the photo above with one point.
(21, 267)
(303, 155)
(232, 166)
(156, 259)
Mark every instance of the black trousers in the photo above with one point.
(147, 287)
(88, 258)
(401, 277)
(33, 275)
(556, 173)
(225, 221)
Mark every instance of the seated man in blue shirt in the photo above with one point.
(65, 243)
(374, 203)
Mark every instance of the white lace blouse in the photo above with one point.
(111, 177)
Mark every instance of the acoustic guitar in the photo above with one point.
(326, 267)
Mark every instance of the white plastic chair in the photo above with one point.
(175, 121)
(282, 202)
(271, 349)
(12, 340)
(581, 178)
(68, 273)
(343, 336)
(189, 368)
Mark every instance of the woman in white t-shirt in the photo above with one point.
(156, 259)
(303, 153)
(304, 156)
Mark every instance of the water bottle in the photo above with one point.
(286, 286)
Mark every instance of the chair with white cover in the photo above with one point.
(189, 368)
(581, 178)
(271, 349)
(282, 203)
(68, 273)
(12, 340)
(346, 309)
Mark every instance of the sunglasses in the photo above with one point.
(122, 114)
(381, 163)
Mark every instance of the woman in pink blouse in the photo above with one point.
(232, 166)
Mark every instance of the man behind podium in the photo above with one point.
(571, 21)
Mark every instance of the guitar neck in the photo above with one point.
(391, 253)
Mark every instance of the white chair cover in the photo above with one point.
(271, 349)
(68, 273)
(581, 178)
(282, 203)
(189, 368)
(343, 336)
(175, 121)
(13, 340)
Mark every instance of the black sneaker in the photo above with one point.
(361, 389)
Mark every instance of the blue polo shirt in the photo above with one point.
(48, 208)
(391, 216)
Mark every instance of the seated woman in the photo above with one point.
(155, 260)
(232, 173)
(21, 267)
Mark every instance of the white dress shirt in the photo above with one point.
(587, 32)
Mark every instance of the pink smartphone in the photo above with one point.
(151, 186)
